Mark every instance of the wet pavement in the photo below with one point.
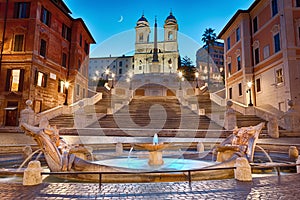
(271, 187)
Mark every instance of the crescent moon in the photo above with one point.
(121, 19)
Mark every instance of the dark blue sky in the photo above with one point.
(193, 16)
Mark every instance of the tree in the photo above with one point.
(187, 67)
(209, 38)
(186, 61)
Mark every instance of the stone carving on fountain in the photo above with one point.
(241, 142)
(59, 155)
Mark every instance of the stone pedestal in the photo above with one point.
(243, 170)
(229, 117)
(32, 174)
(27, 115)
(292, 118)
(293, 153)
(155, 158)
(272, 126)
(298, 165)
(200, 147)
(119, 148)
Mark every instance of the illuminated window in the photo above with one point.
(279, 76)
(40, 79)
(61, 86)
(14, 80)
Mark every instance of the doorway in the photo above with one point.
(11, 113)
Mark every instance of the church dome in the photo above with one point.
(142, 21)
(171, 19)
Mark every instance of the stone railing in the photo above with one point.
(59, 110)
(218, 97)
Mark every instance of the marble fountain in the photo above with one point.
(62, 157)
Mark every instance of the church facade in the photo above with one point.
(156, 56)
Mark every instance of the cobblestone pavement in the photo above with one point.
(273, 187)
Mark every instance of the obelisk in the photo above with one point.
(155, 61)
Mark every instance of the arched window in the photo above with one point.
(141, 37)
(170, 35)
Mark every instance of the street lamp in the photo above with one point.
(197, 75)
(107, 73)
(112, 81)
(249, 84)
(66, 84)
(180, 79)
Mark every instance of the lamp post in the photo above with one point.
(197, 75)
(107, 73)
(249, 84)
(66, 84)
(112, 81)
(180, 79)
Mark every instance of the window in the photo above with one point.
(83, 93)
(230, 93)
(276, 43)
(229, 69)
(279, 76)
(266, 51)
(22, 10)
(274, 7)
(18, 43)
(79, 64)
(240, 89)
(80, 40)
(258, 86)
(64, 60)
(86, 48)
(170, 36)
(45, 16)
(120, 64)
(297, 3)
(256, 55)
(255, 25)
(43, 48)
(140, 67)
(61, 86)
(77, 89)
(238, 34)
(238, 60)
(66, 32)
(228, 43)
(141, 37)
(14, 80)
(120, 71)
(40, 79)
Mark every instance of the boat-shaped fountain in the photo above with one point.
(62, 157)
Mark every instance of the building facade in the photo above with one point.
(104, 67)
(43, 50)
(215, 59)
(262, 47)
(167, 50)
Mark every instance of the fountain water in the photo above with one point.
(155, 139)
(28, 158)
